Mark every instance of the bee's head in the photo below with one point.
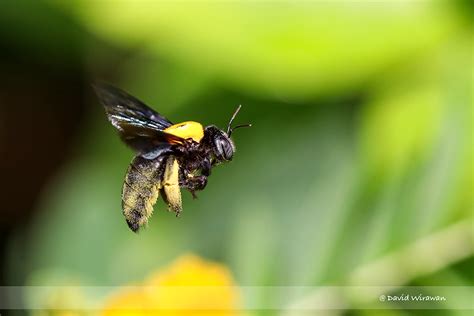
(220, 142)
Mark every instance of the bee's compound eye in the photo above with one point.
(224, 148)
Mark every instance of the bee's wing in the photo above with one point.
(139, 126)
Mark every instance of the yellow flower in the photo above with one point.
(190, 286)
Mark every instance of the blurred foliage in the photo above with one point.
(290, 51)
(361, 142)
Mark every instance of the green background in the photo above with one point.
(361, 144)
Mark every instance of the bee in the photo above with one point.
(168, 156)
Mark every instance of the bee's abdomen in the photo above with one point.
(140, 190)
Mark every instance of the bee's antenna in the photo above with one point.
(230, 129)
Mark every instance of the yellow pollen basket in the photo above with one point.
(189, 129)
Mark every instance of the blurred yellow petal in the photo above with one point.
(127, 303)
(192, 270)
(189, 286)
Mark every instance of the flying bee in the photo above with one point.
(168, 156)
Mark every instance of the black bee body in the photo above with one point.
(169, 156)
(195, 162)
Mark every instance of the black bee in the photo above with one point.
(168, 156)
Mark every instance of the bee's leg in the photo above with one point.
(200, 182)
(206, 167)
(171, 185)
(184, 180)
(196, 183)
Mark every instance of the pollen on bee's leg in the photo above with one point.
(173, 194)
(174, 204)
(171, 187)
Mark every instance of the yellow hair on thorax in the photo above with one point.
(188, 129)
